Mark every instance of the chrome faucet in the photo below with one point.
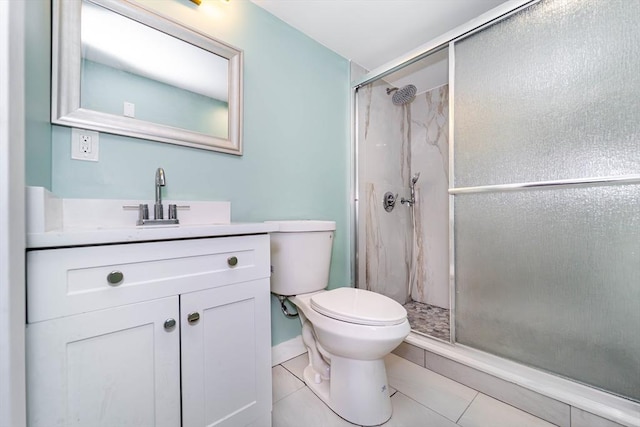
(160, 182)
(158, 209)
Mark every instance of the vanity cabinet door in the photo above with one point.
(114, 367)
(226, 355)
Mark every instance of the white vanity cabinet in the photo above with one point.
(221, 383)
(171, 333)
(111, 367)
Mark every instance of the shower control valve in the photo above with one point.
(389, 201)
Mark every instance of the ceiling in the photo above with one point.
(374, 32)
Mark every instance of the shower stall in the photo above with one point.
(500, 202)
(403, 182)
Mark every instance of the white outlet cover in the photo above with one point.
(90, 153)
(129, 109)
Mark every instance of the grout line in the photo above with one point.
(288, 396)
(428, 408)
(467, 408)
(293, 391)
(292, 373)
(526, 412)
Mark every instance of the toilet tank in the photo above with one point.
(301, 256)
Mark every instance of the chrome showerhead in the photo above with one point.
(402, 95)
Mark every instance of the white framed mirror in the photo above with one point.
(120, 68)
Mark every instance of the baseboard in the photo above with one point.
(287, 350)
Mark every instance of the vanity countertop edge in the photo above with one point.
(84, 237)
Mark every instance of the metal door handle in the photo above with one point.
(169, 324)
(193, 318)
(115, 278)
(232, 261)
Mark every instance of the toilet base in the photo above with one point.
(357, 391)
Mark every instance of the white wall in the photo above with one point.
(12, 238)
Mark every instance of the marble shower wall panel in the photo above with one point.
(430, 157)
(388, 247)
(385, 244)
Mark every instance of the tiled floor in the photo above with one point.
(419, 397)
(428, 319)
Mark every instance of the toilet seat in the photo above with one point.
(359, 306)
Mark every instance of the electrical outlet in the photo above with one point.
(129, 109)
(84, 145)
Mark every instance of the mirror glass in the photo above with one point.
(123, 69)
(140, 72)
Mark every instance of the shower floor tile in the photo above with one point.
(428, 319)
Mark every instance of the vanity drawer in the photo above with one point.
(62, 282)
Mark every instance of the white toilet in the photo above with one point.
(347, 331)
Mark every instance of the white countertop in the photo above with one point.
(98, 236)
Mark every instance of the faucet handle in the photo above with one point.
(173, 211)
(143, 211)
(142, 208)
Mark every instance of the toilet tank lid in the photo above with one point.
(293, 226)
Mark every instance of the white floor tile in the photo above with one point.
(438, 393)
(284, 383)
(409, 413)
(487, 411)
(304, 409)
(296, 365)
(437, 400)
(529, 401)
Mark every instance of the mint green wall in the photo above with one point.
(296, 136)
(37, 89)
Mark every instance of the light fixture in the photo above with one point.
(198, 2)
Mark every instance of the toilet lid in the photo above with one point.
(359, 306)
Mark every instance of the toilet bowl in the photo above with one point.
(347, 331)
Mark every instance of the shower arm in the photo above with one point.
(409, 202)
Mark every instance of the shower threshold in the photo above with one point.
(429, 320)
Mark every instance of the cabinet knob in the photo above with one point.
(169, 324)
(115, 278)
(232, 261)
(193, 318)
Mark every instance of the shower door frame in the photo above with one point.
(447, 40)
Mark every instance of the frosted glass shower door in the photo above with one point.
(549, 275)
